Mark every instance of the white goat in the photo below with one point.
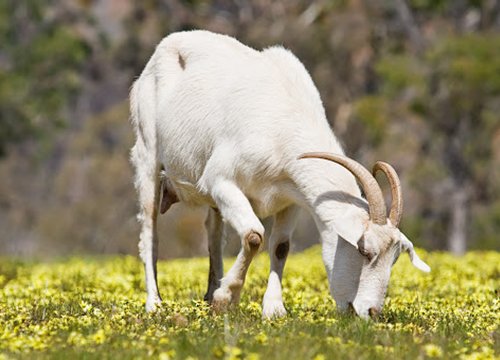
(228, 125)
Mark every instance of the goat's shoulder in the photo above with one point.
(294, 77)
(283, 57)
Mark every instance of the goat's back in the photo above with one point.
(224, 107)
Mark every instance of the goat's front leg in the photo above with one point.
(279, 245)
(215, 230)
(237, 211)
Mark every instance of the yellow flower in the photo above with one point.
(99, 337)
(234, 353)
(433, 351)
(261, 338)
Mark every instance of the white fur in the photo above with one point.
(227, 123)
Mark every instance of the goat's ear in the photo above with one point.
(349, 226)
(406, 245)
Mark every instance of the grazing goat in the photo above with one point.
(245, 133)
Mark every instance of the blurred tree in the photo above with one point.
(40, 58)
(414, 82)
(455, 91)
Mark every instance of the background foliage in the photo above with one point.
(416, 83)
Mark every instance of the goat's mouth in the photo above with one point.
(372, 313)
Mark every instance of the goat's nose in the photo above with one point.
(373, 312)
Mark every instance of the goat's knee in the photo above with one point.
(252, 241)
(282, 249)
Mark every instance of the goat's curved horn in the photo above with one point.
(376, 203)
(397, 198)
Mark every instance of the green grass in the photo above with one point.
(93, 308)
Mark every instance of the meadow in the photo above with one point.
(93, 308)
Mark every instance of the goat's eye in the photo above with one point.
(366, 254)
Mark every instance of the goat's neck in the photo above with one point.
(329, 191)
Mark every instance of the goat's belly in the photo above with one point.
(269, 200)
(264, 203)
(189, 194)
(268, 208)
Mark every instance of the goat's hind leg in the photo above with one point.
(147, 183)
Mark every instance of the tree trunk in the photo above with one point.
(457, 233)
(461, 185)
(411, 27)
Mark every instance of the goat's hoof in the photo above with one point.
(152, 304)
(208, 298)
(209, 295)
(273, 309)
(221, 300)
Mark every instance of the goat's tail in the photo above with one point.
(143, 155)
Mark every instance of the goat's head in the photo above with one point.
(359, 268)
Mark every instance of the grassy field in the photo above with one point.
(93, 308)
